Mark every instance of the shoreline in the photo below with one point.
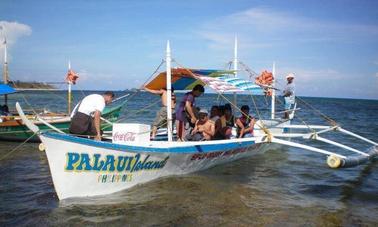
(38, 89)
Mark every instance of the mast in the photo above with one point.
(169, 92)
(69, 90)
(273, 105)
(235, 68)
(5, 69)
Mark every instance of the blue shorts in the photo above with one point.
(288, 103)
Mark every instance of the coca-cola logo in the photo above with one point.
(124, 136)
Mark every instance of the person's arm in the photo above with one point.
(241, 126)
(195, 130)
(157, 92)
(287, 93)
(189, 108)
(250, 126)
(97, 122)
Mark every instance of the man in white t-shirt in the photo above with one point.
(289, 94)
(86, 117)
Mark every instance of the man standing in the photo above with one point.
(161, 115)
(186, 111)
(289, 94)
(86, 117)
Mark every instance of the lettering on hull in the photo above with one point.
(211, 155)
(111, 168)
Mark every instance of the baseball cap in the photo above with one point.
(290, 75)
(203, 111)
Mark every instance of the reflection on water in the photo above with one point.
(284, 186)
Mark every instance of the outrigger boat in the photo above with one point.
(83, 167)
(12, 128)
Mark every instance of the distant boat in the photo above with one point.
(12, 127)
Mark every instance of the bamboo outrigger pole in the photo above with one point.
(169, 92)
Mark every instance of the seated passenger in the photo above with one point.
(215, 115)
(4, 110)
(227, 122)
(245, 123)
(204, 128)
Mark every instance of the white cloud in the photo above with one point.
(265, 27)
(12, 31)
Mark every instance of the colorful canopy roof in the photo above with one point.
(219, 80)
(232, 84)
(5, 89)
(183, 79)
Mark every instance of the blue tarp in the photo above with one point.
(5, 89)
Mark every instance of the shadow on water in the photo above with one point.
(352, 187)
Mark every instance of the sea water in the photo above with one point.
(283, 187)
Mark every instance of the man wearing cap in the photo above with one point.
(204, 129)
(289, 94)
(86, 116)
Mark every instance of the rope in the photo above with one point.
(248, 70)
(332, 122)
(301, 119)
(140, 110)
(157, 69)
(14, 149)
(132, 113)
(328, 119)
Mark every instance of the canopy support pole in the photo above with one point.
(69, 91)
(5, 70)
(273, 110)
(169, 92)
(235, 69)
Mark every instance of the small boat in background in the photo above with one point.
(12, 127)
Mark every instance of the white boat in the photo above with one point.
(83, 167)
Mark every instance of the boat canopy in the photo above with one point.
(5, 89)
(219, 80)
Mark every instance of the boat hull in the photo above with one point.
(82, 167)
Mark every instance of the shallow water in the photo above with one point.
(282, 187)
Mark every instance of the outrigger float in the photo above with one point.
(83, 167)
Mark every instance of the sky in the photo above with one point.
(331, 46)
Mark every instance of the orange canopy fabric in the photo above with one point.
(184, 79)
